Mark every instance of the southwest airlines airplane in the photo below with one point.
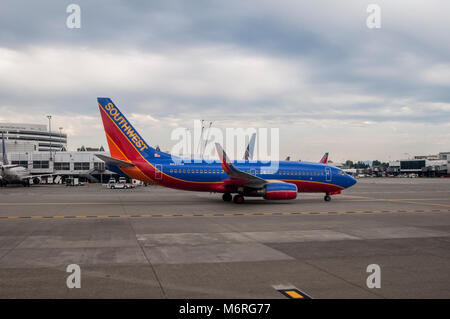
(132, 155)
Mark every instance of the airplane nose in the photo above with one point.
(350, 180)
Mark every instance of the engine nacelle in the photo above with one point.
(280, 191)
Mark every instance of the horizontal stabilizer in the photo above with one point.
(114, 161)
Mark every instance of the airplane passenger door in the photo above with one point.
(327, 174)
(158, 172)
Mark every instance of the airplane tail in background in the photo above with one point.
(324, 159)
(250, 148)
(5, 156)
(124, 142)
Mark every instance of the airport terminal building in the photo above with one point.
(84, 165)
(44, 152)
(32, 137)
(431, 165)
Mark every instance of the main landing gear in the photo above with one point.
(227, 197)
(238, 199)
(327, 198)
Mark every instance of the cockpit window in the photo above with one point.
(341, 173)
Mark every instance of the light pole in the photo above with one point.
(60, 136)
(50, 134)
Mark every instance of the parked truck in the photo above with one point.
(121, 184)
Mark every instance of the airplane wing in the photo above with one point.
(9, 166)
(237, 176)
(38, 176)
(114, 161)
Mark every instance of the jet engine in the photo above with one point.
(280, 191)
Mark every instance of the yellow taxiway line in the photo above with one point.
(162, 215)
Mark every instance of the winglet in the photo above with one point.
(225, 161)
(239, 177)
(324, 159)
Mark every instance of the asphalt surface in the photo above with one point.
(153, 242)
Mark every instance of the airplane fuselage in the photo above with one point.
(14, 175)
(206, 176)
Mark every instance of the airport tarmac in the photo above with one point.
(154, 242)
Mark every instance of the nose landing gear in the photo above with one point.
(327, 198)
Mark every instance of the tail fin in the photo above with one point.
(124, 142)
(250, 148)
(324, 159)
(5, 156)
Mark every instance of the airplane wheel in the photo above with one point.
(227, 197)
(327, 198)
(238, 199)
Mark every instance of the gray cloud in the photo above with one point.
(276, 63)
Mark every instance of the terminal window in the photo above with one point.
(21, 163)
(100, 166)
(62, 166)
(412, 164)
(81, 166)
(40, 164)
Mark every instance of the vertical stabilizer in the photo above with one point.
(4, 155)
(124, 142)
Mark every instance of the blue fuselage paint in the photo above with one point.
(206, 172)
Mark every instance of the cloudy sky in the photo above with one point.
(311, 68)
